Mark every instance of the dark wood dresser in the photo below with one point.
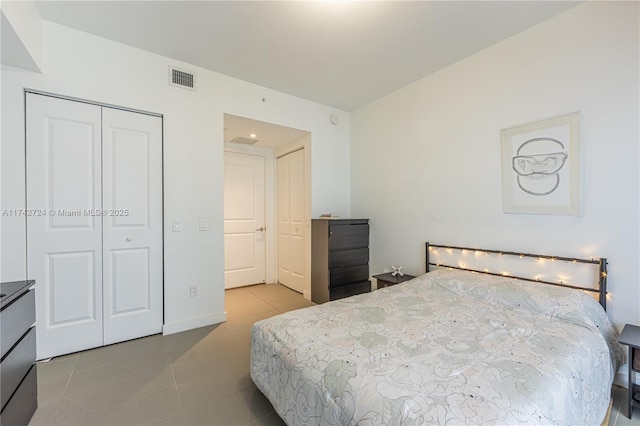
(18, 380)
(339, 258)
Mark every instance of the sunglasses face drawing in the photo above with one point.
(537, 163)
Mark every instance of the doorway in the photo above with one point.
(244, 219)
(248, 139)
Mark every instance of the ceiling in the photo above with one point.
(265, 135)
(339, 53)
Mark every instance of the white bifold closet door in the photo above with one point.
(290, 211)
(94, 233)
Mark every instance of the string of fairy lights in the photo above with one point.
(562, 281)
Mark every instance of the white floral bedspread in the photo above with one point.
(449, 347)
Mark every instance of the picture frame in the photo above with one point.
(541, 167)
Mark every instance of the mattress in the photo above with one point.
(449, 347)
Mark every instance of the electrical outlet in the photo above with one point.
(193, 290)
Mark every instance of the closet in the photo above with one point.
(94, 223)
(291, 214)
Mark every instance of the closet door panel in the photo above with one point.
(132, 219)
(64, 237)
(291, 229)
(70, 300)
(131, 289)
(129, 177)
(284, 220)
(297, 229)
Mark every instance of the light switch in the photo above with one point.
(177, 225)
(204, 224)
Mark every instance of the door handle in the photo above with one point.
(262, 228)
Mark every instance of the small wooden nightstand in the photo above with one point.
(385, 280)
(631, 337)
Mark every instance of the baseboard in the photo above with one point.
(190, 324)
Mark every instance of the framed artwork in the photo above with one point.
(541, 167)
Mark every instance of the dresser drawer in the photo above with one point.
(16, 365)
(24, 402)
(348, 275)
(351, 290)
(342, 258)
(15, 320)
(344, 237)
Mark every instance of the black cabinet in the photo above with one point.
(339, 258)
(18, 379)
(630, 336)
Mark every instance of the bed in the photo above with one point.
(449, 347)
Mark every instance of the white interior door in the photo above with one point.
(291, 231)
(94, 235)
(283, 177)
(64, 239)
(296, 253)
(132, 227)
(244, 219)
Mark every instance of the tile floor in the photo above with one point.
(198, 377)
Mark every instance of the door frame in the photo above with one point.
(269, 196)
(271, 266)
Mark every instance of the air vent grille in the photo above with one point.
(181, 78)
(243, 140)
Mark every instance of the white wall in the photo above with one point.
(21, 35)
(426, 159)
(79, 65)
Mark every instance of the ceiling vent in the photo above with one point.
(244, 141)
(181, 78)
